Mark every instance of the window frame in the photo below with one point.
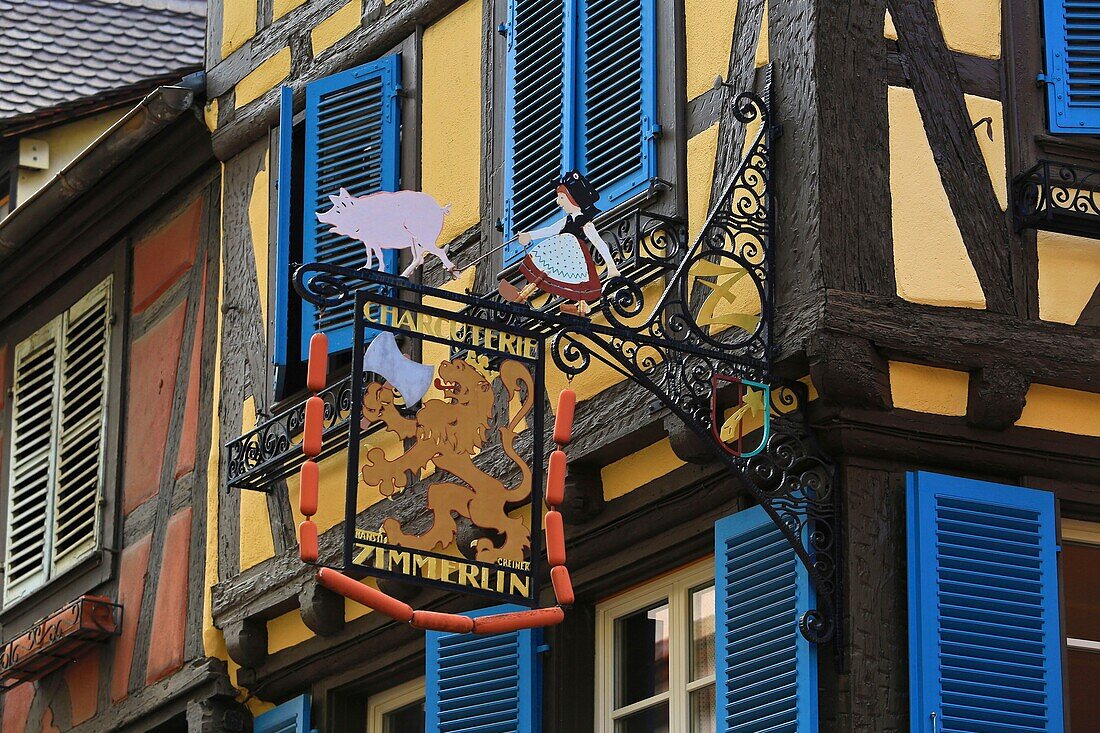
(56, 298)
(671, 143)
(287, 380)
(395, 698)
(675, 587)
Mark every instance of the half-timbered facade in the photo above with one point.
(109, 254)
(937, 262)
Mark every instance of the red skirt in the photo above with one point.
(589, 291)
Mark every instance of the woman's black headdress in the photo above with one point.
(581, 191)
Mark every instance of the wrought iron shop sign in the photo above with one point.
(454, 476)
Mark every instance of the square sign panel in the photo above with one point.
(445, 452)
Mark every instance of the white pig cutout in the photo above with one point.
(391, 220)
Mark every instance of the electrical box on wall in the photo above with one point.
(34, 154)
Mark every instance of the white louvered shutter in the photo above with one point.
(80, 428)
(353, 141)
(55, 481)
(1072, 36)
(619, 97)
(539, 134)
(33, 460)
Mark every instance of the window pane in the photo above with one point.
(1082, 592)
(1084, 703)
(702, 632)
(702, 710)
(409, 719)
(650, 720)
(641, 641)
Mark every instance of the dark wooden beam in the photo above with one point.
(322, 610)
(996, 397)
(969, 339)
(915, 440)
(939, 93)
(978, 76)
(246, 641)
(848, 369)
(1090, 314)
(244, 126)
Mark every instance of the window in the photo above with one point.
(655, 654)
(350, 139)
(1080, 558)
(57, 446)
(984, 638)
(582, 84)
(400, 710)
(1073, 94)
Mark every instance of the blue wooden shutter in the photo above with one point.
(282, 239)
(1072, 36)
(290, 717)
(484, 683)
(353, 140)
(618, 104)
(766, 673)
(984, 637)
(538, 127)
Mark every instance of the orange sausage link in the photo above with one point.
(555, 479)
(314, 426)
(364, 595)
(307, 495)
(307, 541)
(317, 371)
(502, 623)
(563, 421)
(563, 587)
(555, 539)
(448, 622)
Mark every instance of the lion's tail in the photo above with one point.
(513, 374)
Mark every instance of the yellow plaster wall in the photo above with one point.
(286, 631)
(889, 30)
(971, 26)
(1063, 410)
(451, 120)
(709, 28)
(336, 26)
(928, 389)
(930, 260)
(210, 115)
(638, 469)
(279, 8)
(259, 213)
(65, 143)
(256, 544)
(701, 150)
(993, 151)
(1069, 273)
(238, 24)
(265, 76)
(762, 41)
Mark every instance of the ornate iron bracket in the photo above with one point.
(684, 338)
(1058, 197)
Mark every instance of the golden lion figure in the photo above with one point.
(448, 433)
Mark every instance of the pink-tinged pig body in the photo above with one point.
(390, 220)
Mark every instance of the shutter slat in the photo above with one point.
(1072, 65)
(81, 421)
(352, 142)
(483, 684)
(290, 717)
(766, 671)
(985, 643)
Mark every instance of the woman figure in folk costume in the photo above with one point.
(561, 263)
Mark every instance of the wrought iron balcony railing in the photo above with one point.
(1058, 197)
(646, 245)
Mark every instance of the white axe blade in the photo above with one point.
(408, 377)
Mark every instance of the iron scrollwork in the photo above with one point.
(1059, 197)
(699, 319)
